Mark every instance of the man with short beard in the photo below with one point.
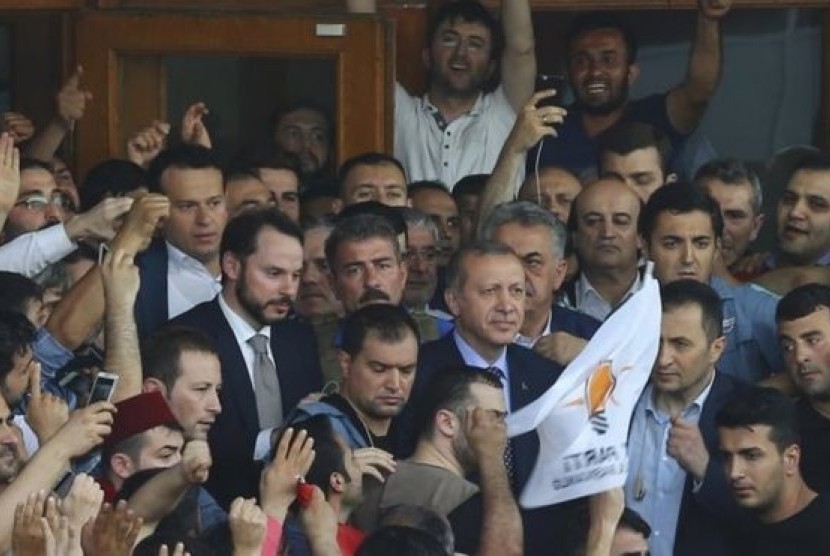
(12, 451)
(602, 65)
(269, 363)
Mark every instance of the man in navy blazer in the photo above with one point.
(262, 259)
(181, 270)
(676, 480)
(486, 295)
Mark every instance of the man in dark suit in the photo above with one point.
(269, 363)
(182, 270)
(486, 295)
(676, 480)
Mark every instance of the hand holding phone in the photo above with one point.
(103, 388)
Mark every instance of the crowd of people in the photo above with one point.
(274, 355)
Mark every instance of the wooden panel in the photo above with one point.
(295, 6)
(144, 97)
(104, 39)
(42, 4)
(823, 127)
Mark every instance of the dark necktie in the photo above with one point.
(266, 385)
(508, 451)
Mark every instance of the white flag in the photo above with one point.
(582, 420)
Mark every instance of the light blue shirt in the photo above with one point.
(473, 359)
(656, 475)
(752, 351)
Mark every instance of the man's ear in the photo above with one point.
(561, 272)
(757, 224)
(122, 466)
(152, 384)
(633, 73)
(231, 266)
(343, 360)
(716, 349)
(453, 304)
(446, 423)
(792, 459)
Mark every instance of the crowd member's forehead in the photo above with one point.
(604, 190)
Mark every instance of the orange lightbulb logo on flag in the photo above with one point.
(598, 390)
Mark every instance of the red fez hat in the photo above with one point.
(138, 414)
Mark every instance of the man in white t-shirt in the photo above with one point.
(458, 127)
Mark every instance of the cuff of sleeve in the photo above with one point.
(263, 445)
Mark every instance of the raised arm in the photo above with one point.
(687, 103)
(121, 282)
(70, 106)
(532, 124)
(518, 63)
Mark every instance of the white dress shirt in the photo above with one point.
(30, 253)
(188, 282)
(243, 332)
(589, 301)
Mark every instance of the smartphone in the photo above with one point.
(103, 388)
(545, 81)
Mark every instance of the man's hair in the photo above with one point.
(421, 518)
(678, 198)
(360, 227)
(366, 159)
(756, 405)
(470, 185)
(113, 177)
(243, 230)
(527, 214)
(388, 323)
(813, 161)
(16, 335)
(329, 456)
(594, 21)
(626, 137)
(449, 389)
(580, 524)
(182, 157)
(633, 521)
(426, 185)
(468, 11)
(16, 291)
(417, 219)
(802, 301)
(732, 172)
(304, 104)
(401, 541)
(161, 353)
(27, 163)
(238, 173)
(456, 274)
(132, 445)
(691, 292)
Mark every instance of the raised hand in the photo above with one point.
(62, 537)
(83, 501)
(486, 433)
(247, 522)
(141, 222)
(196, 461)
(19, 127)
(9, 172)
(72, 99)
(45, 413)
(121, 278)
(85, 429)
(685, 444)
(27, 535)
(278, 483)
(374, 462)
(113, 532)
(714, 9)
(194, 131)
(100, 221)
(145, 145)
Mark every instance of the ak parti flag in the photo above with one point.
(582, 420)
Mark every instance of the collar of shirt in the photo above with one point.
(527, 341)
(585, 290)
(473, 359)
(178, 260)
(430, 108)
(243, 332)
(690, 413)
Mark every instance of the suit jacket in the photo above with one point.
(151, 309)
(709, 518)
(530, 375)
(233, 435)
